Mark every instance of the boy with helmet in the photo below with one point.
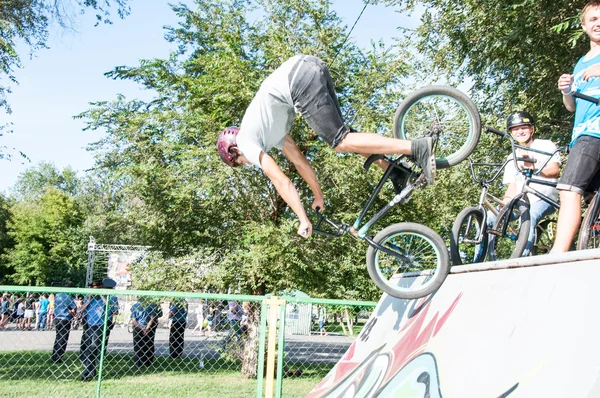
(581, 171)
(303, 85)
(521, 126)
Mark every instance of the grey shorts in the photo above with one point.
(581, 173)
(314, 98)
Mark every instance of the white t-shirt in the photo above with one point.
(511, 174)
(269, 116)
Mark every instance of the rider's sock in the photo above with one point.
(422, 153)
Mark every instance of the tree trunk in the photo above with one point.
(250, 357)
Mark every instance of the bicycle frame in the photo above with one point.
(484, 204)
(361, 232)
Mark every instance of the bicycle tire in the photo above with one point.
(461, 252)
(589, 232)
(421, 244)
(413, 119)
(512, 243)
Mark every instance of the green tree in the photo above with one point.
(6, 241)
(508, 49)
(48, 246)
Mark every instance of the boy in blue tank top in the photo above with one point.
(581, 173)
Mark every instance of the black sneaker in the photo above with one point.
(422, 154)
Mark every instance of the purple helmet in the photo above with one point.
(226, 140)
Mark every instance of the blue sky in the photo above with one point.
(59, 82)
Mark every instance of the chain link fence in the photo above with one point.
(97, 342)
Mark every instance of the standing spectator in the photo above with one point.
(93, 310)
(582, 171)
(29, 307)
(178, 315)
(64, 309)
(21, 314)
(322, 320)
(4, 311)
(144, 315)
(42, 312)
(50, 316)
(15, 300)
(210, 320)
(245, 316)
(109, 283)
(200, 311)
(234, 317)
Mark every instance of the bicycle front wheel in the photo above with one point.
(467, 229)
(589, 232)
(423, 267)
(510, 243)
(445, 112)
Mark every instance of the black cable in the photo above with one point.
(350, 32)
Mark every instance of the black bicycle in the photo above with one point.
(408, 260)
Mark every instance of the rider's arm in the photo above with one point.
(510, 193)
(564, 85)
(294, 155)
(569, 102)
(287, 190)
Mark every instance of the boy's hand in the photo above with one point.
(591, 71)
(305, 229)
(564, 83)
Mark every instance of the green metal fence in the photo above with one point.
(145, 343)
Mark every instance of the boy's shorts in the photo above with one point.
(314, 98)
(581, 171)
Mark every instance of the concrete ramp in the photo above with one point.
(528, 327)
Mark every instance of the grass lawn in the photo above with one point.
(31, 374)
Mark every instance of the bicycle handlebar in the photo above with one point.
(585, 97)
(515, 146)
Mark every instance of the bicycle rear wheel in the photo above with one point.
(589, 232)
(443, 111)
(511, 243)
(424, 268)
(465, 231)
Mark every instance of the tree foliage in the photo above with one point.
(508, 50)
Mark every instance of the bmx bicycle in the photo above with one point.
(408, 260)
(508, 236)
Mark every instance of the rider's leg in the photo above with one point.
(569, 218)
(537, 210)
(369, 143)
(579, 175)
(313, 94)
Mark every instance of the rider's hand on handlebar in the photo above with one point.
(318, 204)
(564, 83)
(305, 229)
